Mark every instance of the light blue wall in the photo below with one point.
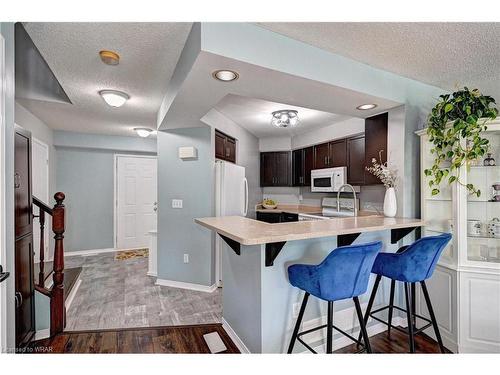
(85, 165)
(7, 176)
(193, 182)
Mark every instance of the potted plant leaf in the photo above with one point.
(454, 128)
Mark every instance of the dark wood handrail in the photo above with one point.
(43, 207)
(56, 292)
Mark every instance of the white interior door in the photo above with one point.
(40, 185)
(136, 197)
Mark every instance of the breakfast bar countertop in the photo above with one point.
(248, 231)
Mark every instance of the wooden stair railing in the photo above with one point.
(56, 291)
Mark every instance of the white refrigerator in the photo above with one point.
(231, 199)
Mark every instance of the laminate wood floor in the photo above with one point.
(189, 339)
(181, 339)
(118, 294)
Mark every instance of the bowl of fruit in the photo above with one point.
(270, 204)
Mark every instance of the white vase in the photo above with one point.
(390, 204)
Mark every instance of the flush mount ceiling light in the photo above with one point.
(225, 75)
(114, 98)
(109, 57)
(143, 132)
(364, 107)
(285, 118)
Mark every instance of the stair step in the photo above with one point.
(71, 276)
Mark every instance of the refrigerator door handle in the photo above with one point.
(245, 210)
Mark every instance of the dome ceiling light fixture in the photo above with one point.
(285, 118)
(364, 107)
(114, 98)
(225, 75)
(109, 57)
(143, 132)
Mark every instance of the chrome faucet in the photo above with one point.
(355, 210)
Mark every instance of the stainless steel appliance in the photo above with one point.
(331, 208)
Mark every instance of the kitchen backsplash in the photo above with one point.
(370, 197)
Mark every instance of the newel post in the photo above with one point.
(57, 309)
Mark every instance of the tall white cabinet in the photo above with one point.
(465, 288)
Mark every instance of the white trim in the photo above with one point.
(343, 341)
(3, 258)
(115, 187)
(42, 334)
(235, 338)
(85, 253)
(189, 286)
(154, 274)
(71, 296)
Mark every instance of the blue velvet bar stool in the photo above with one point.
(410, 264)
(343, 274)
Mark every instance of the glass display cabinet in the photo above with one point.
(466, 284)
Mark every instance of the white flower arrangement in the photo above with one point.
(380, 170)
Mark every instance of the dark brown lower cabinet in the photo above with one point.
(356, 160)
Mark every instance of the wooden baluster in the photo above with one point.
(57, 309)
(41, 274)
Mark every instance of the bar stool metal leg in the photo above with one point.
(370, 303)
(362, 325)
(329, 328)
(299, 321)
(391, 306)
(433, 317)
(409, 317)
(413, 306)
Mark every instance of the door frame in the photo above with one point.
(3, 254)
(47, 240)
(115, 189)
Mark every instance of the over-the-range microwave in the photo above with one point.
(328, 180)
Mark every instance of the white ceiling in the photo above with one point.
(255, 116)
(442, 54)
(149, 54)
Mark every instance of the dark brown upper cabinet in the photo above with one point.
(375, 143)
(275, 168)
(338, 153)
(356, 160)
(321, 156)
(331, 154)
(225, 147)
(302, 164)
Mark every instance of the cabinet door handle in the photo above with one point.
(326, 160)
(19, 299)
(17, 181)
(227, 152)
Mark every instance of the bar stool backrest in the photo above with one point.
(419, 260)
(345, 272)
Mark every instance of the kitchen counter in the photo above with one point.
(254, 256)
(252, 232)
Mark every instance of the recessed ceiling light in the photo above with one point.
(109, 57)
(143, 132)
(364, 107)
(225, 75)
(114, 98)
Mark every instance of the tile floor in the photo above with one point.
(119, 294)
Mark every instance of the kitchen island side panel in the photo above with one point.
(241, 294)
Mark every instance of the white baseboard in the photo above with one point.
(235, 338)
(183, 285)
(85, 253)
(154, 274)
(42, 334)
(72, 295)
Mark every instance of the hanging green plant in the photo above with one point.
(461, 115)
